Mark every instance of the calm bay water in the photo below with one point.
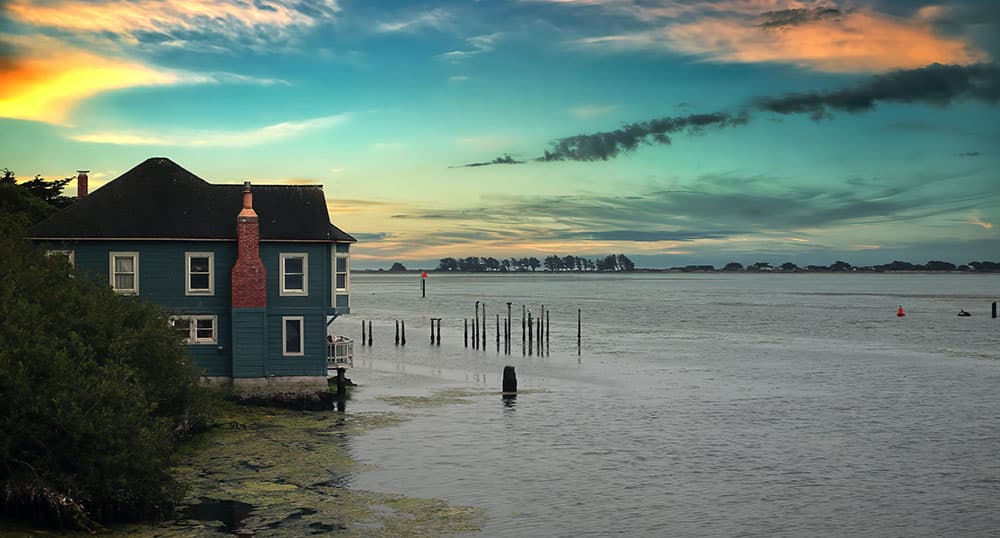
(701, 405)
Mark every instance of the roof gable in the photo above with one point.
(158, 199)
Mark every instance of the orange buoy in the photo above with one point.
(900, 313)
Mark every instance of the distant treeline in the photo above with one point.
(841, 266)
(621, 262)
(474, 264)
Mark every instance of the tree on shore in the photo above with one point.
(96, 386)
(397, 267)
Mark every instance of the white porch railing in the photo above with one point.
(340, 353)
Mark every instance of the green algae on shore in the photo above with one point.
(274, 472)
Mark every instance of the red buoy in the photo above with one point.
(900, 313)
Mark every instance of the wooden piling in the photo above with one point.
(541, 321)
(578, 325)
(994, 309)
(402, 325)
(475, 328)
(362, 332)
(484, 326)
(509, 379)
(397, 332)
(531, 330)
(498, 333)
(432, 330)
(341, 390)
(423, 287)
(465, 330)
(547, 333)
(369, 333)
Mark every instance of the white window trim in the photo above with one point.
(193, 329)
(347, 278)
(111, 271)
(284, 335)
(187, 273)
(347, 271)
(70, 255)
(305, 274)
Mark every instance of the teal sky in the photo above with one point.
(803, 131)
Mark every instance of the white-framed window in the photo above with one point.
(292, 337)
(342, 268)
(69, 255)
(196, 329)
(294, 274)
(123, 272)
(199, 273)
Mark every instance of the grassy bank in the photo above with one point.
(274, 472)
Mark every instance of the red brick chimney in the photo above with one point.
(81, 183)
(249, 277)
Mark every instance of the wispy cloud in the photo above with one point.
(435, 18)
(458, 78)
(477, 45)
(387, 145)
(182, 23)
(979, 222)
(590, 111)
(212, 138)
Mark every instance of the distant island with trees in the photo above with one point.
(621, 263)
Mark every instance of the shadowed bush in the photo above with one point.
(95, 391)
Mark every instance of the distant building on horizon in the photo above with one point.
(251, 275)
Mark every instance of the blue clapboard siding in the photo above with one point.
(313, 362)
(250, 327)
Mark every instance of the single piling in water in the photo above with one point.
(432, 330)
(506, 328)
(369, 333)
(341, 390)
(362, 332)
(423, 287)
(402, 332)
(498, 333)
(484, 326)
(475, 328)
(397, 332)
(994, 309)
(509, 379)
(531, 330)
(541, 322)
(465, 330)
(578, 325)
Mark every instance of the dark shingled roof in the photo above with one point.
(160, 200)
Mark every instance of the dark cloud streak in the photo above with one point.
(794, 17)
(607, 145)
(935, 84)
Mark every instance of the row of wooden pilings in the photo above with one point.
(535, 331)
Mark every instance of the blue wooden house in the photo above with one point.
(250, 274)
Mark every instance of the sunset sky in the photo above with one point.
(675, 131)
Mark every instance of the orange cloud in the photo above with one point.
(852, 41)
(49, 79)
(856, 41)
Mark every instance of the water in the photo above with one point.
(701, 405)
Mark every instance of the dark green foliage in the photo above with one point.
(95, 390)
